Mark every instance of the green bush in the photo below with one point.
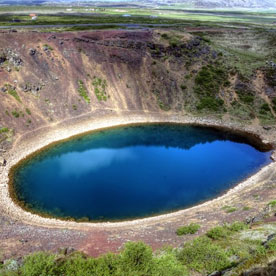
(210, 103)
(28, 111)
(237, 226)
(203, 255)
(272, 245)
(108, 265)
(247, 97)
(11, 91)
(46, 46)
(188, 229)
(272, 203)
(209, 80)
(168, 265)
(183, 86)
(4, 130)
(136, 258)
(15, 114)
(229, 209)
(39, 264)
(83, 92)
(76, 265)
(274, 104)
(218, 232)
(100, 88)
(264, 109)
(165, 36)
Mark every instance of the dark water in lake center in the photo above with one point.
(135, 171)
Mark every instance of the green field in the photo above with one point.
(19, 15)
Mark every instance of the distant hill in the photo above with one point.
(260, 4)
(230, 3)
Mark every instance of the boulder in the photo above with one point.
(3, 162)
(273, 156)
(32, 51)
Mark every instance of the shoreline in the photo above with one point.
(34, 141)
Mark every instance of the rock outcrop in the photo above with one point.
(3, 162)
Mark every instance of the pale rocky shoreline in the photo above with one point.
(37, 139)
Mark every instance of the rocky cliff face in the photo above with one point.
(46, 78)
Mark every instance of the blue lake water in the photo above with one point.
(135, 171)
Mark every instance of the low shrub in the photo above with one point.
(229, 209)
(209, 80)
(4, 130)
(39, 264)
(136, 258)
(210, 103)
(183, 86)
(83, 92)
(274, 104)
(15, 114)
(218, 232)
(11, 91)
(264, 109)
(28, 111)
(237, 226)
(165, 36)
(272, 203)
(168, 265)
(272, 245)
(247, 97)
(100, 88)
(203, 255)
(188, 229)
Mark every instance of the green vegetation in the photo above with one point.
(83, 92)
(162, 105)
(11, 91)
(246, 96)
(173, 14)
(274, 104)
(218, 232)
(15, 114)
(264, 109)
(174, 40)
(203, 255)
(272, 244)
(210, 103)
(229, 209)
(188, 229)
(265, 113)
(28, 111)
(208, 82)
(222, 232)
(272, 203)
(47, 47)
(135, 259)
(183, 87)
(232, 246)
(6, 134)
(237, 226)
(100, 88)
(4, 130)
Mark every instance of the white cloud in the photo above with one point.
(78, 163)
